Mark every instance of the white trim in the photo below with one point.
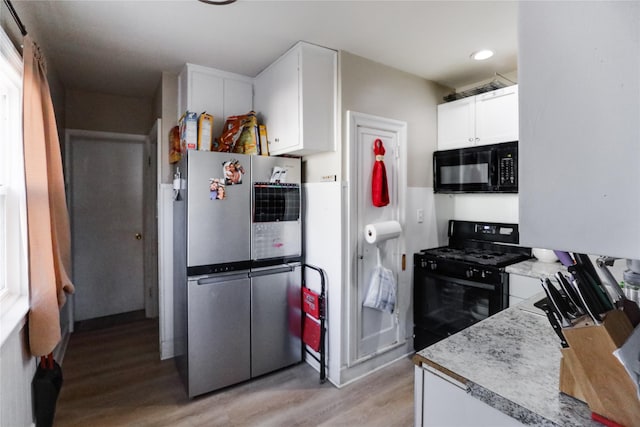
(15, 317)
(14, 303)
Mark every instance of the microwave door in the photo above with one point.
(463, 171)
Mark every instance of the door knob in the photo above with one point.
(138, 236)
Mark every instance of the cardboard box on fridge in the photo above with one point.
(205, 131)
(188, 124)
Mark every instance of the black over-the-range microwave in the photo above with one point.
(480, 169)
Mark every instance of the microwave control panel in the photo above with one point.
(507, 170)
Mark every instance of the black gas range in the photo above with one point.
(460, 284)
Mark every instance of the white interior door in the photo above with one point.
(105, 177)
(375, 331)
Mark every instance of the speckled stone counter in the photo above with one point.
(511, 361)
(535, 268)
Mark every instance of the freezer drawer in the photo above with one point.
(218, 332)
(275, 318)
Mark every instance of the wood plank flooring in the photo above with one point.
(113, 377)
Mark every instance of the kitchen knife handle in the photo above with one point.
(564, 258)
(570, 292)
(589, 301)
(613, 283)
(556, 300)
(553, 320)
(590, 273)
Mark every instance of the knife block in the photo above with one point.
(591, 373)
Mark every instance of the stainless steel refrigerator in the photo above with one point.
(237, 272)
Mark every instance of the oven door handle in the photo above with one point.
(462, 281)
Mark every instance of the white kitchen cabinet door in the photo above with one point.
(295, 97)
(456, 124)
(497, 116)
(489, 118)
(579, 127)
(217, 92)
(276, 100)
(441, 401)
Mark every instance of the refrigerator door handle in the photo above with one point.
(269, 271)
(222, 277)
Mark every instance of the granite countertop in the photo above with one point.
(534, 268)
(511, 361)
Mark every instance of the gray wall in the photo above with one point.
(372, 88)
(108, 113)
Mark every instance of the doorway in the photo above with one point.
(107, 177)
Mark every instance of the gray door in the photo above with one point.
(275, 318)
(106, 187)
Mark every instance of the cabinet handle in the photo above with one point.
(477, 139)
(277, 140)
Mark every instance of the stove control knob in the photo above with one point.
(433, 265)
(469, 273)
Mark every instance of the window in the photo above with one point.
(13, 231)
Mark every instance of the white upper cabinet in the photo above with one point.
(456, 123)
(488, 118)
(217, 92)
(295, 97)
(579, 73)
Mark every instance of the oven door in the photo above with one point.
(445, 305)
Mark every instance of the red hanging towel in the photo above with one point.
(379, 188)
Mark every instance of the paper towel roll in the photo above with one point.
(381, 231)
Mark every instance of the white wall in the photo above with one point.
(478, 207)
(17, 368)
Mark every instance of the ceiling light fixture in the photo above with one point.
(481, 55)
(218, 2)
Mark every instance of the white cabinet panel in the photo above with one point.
(497, 116)
(238, 97)
(296, 98)
(456, 124)
(444, 403)
(206, 93)
(217, 92)
(489, 118)
(276, 96)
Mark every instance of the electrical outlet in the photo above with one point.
(420, 215)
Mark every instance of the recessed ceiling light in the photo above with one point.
(482, 54)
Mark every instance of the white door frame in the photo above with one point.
(352, 219)
(80, 133)
(150, 223)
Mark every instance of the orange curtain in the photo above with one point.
(47, 216)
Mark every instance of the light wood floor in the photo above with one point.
(113, 377)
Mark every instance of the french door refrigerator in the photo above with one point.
(237, 273)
